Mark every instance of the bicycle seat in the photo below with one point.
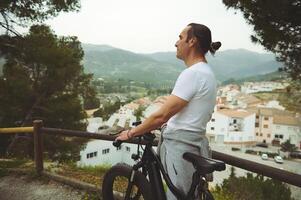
(204, 165)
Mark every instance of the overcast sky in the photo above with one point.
(146, 26)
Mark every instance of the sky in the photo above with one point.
(147, 26)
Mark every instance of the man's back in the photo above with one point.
(196, 84)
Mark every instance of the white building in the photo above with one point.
(101, 152)
(267, 86)
(287, 128)
(94, 124)
(272, 104)
(232, 127)
(265, 122)
(123, 118)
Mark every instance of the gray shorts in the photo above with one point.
(171, 150)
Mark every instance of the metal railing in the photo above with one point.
(38, 131)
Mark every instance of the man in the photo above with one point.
(187, 110)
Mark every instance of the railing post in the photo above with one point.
(38, 145)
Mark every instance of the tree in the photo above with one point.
(138, 113)
(277, 27)
(287, 146)
(251, 187)
(45, 80)
(20, 12)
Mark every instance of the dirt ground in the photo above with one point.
(22, 187)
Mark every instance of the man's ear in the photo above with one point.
(193, 41)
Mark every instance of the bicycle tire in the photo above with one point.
(208, 195)
(124, 171)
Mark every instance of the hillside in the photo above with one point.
(272, 76)
(231, 63)
(163, 67)
(117, 63)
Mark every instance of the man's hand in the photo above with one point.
(124, 135)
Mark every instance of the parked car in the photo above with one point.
(278, 159)
(264, 156)
(295, 154)
(265, 145)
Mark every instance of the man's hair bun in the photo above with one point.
(215, 46)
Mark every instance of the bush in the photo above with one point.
(251, 187)
(249, 151)
(235, 149)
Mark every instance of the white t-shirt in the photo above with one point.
(197, 85)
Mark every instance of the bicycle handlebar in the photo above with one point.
(117, 143)
(147, 136)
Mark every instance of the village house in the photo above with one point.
(285, 128)
(231, 127)
(264, 86)
(265, 121)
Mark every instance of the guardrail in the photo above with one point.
(39, 130)
(16, 130)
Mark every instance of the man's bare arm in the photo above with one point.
(172, 105)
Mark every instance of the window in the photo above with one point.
(266, 118)
(105, 151)
(281, 136)
(256, 124)
(91, 155)
(265, 126)
(213, 120)
(234, 121)
(257, 117)
(119, 148)
(276, 136)
(256, 134)
(212, 128)
(269, 135)
(128, 149)
(260, 134)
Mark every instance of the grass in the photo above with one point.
(94, 170)
(11, 163)
(89, 174)
(3, 172)
(6, 164)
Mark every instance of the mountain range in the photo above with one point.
(163, 67)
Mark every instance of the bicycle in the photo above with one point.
(147, 183)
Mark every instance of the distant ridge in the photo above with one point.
(163, 67)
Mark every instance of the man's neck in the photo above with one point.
(193, 59)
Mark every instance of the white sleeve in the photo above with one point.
(185, 87)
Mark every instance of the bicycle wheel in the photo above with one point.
(115, 184)
(207, 195)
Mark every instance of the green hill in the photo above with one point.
(118, 63)
(162, 68)
(228, 64)
(273, 76)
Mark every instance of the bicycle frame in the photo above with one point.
(152, 166)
